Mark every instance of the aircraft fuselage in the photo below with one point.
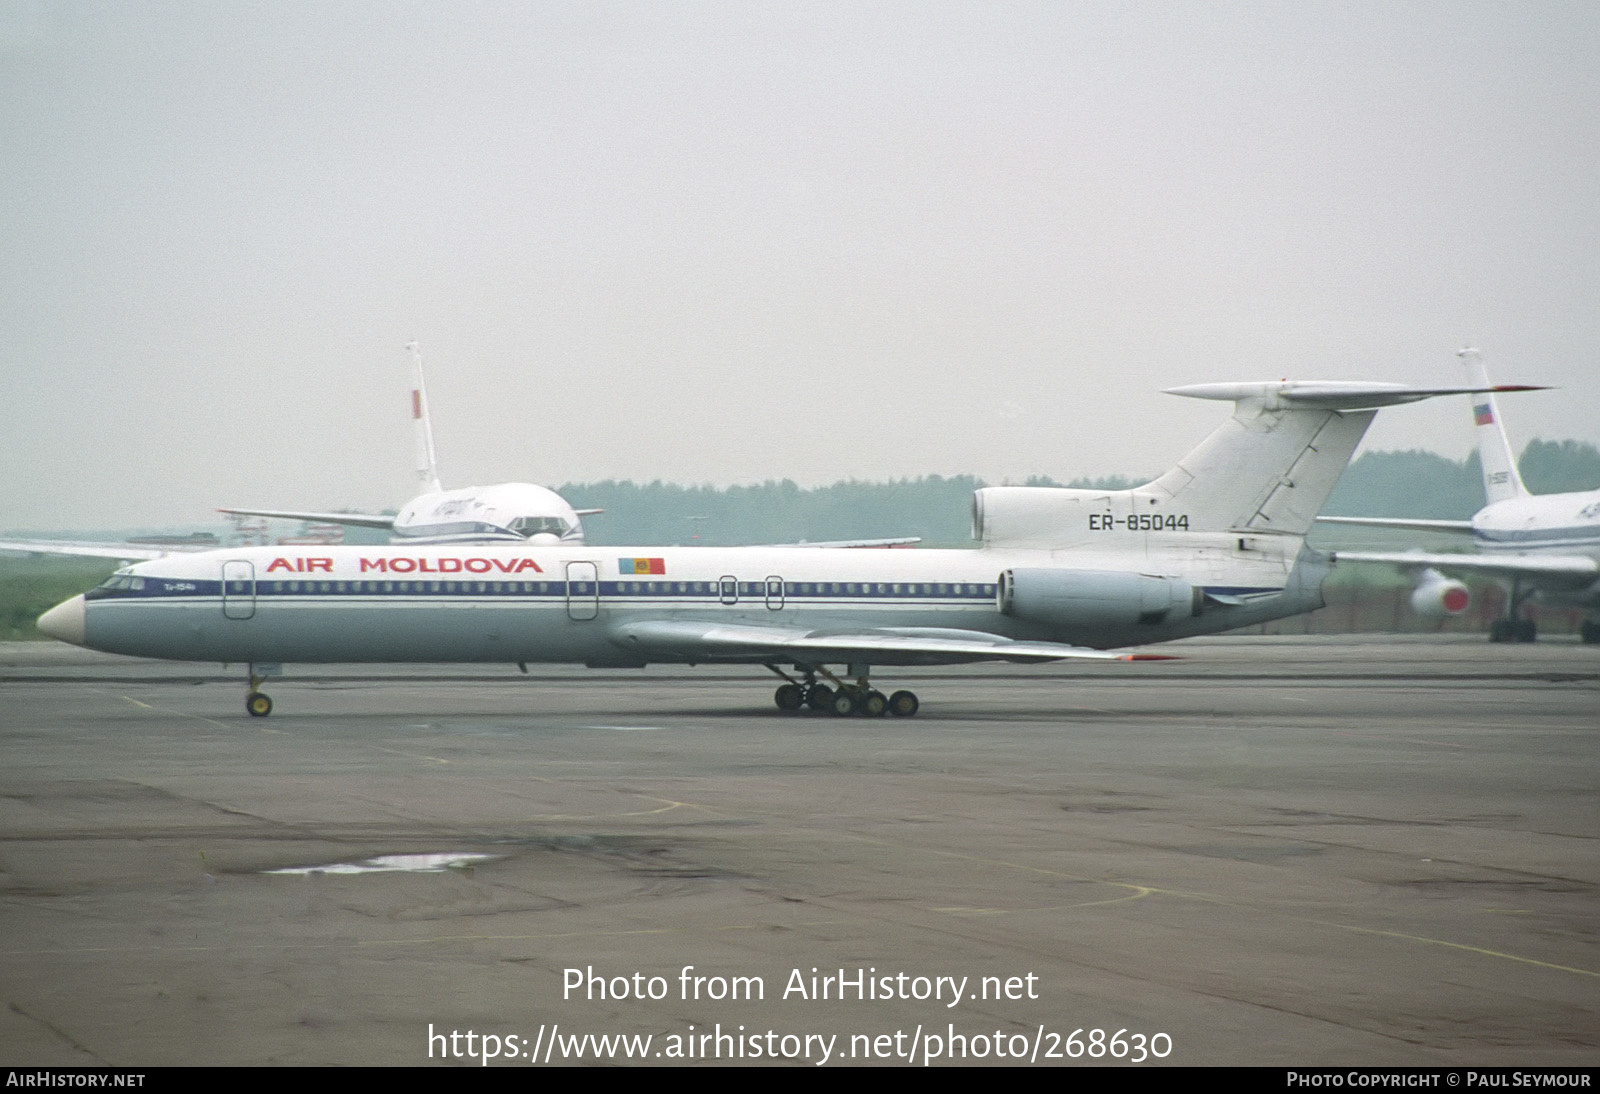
(565, 604)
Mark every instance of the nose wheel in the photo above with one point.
(256, 702)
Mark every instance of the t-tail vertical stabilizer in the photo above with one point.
(1264, 473)
(1269, 468)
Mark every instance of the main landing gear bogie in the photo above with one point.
(848, 700)
(868, 704)
(903, 704)
(1513, 630)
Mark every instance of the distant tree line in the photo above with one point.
(1427, 485)
(939, 508)
(934, 507)
(29, 586)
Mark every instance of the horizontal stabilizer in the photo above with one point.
(1329, 394)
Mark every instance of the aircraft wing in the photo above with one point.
(873, 645)
(127, 552)
(902, 541)
(355, 520)
(1406, 523)
(1576, 570)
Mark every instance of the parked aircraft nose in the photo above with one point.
(64, 621)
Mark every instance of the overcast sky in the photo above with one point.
(727, 242)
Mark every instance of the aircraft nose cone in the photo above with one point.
(64, 621)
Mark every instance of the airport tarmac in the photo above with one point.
(1287, 851)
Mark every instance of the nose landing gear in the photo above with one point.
(256, 702)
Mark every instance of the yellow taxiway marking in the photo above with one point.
(186, 714)
(1141, 891)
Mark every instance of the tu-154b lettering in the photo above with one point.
(1215, 543)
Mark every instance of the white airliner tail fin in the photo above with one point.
(427, 462)
(1271, 467)
(1267, 470)
(1501, 479)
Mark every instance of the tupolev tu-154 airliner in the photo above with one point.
(1215, 543)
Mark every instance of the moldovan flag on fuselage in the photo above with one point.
(641, 565)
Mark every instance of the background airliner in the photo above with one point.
(1544, 546)
(1215, 543)
(512, 512)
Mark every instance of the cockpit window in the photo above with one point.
(532, 526)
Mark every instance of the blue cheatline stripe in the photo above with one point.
(814, 591)
(806, 591)
(1582, 535)
(459, 528)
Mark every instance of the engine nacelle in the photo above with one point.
(1070, 598)
(1437, 596)
(1023, 514)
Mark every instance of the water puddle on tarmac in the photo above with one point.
(388, 864)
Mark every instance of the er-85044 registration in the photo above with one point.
(1139, 522)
